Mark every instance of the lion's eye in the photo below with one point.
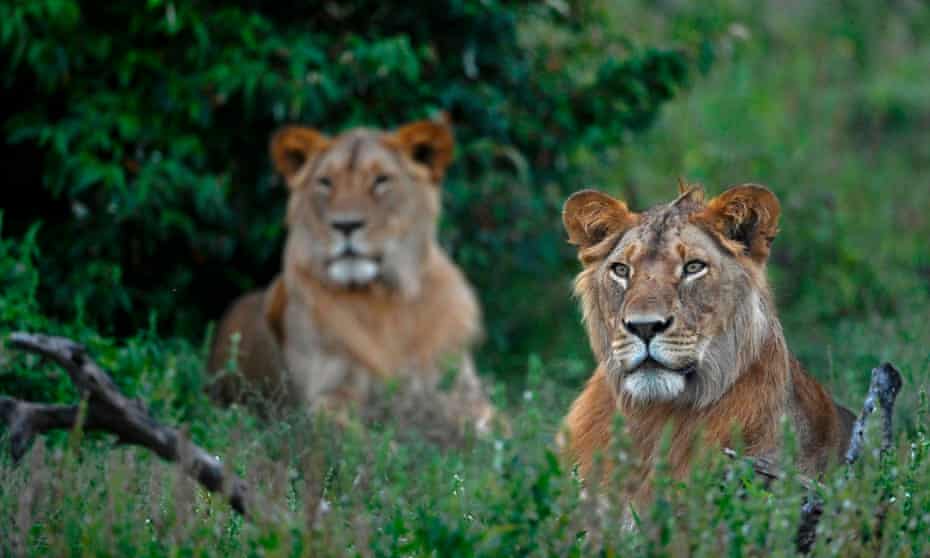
(324, 183)
(380, 184)
(694, 267)
(620, 270)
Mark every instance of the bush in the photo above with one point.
(137, 135)
(169, 370)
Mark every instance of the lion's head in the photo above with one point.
(675, 299)
(364, 205)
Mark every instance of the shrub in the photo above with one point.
(137, 135)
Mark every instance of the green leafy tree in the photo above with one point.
(137, 135)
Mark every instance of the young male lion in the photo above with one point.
(684, 330)
(366, 293)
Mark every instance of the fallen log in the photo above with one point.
(108, 410)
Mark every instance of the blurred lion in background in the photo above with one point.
(683, 326)
(366, 293)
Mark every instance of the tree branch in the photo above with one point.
(883, 389)
(108, 410)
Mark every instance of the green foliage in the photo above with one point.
(143, 359)
(20, 280)
(139, 134)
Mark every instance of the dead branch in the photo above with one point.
(883, 389)
(108, 410)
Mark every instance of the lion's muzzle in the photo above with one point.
(649, 362)
(351, 262)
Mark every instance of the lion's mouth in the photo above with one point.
(651, 364)
(352, 269)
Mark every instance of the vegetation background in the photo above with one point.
(141, 201)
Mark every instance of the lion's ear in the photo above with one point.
(428, 143)
(748, 215)
(590, 216)
(292, 146)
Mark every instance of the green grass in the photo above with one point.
(826, 104)
(387, 494)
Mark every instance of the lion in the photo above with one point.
(683, 327)
(366, 293)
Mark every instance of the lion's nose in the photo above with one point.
(647, 327)
(347, 226)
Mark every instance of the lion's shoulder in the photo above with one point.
(245, 340)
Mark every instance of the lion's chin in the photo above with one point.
(652, 385)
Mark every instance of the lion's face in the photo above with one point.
(364, 205)
(675, 298)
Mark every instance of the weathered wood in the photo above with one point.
(883, 389)
(108, 410)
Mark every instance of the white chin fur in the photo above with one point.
(349, 271)
(654, 385)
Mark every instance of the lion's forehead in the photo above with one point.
(664, 237)
(352, 164)
(358, 151)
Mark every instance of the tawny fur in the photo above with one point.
(388, 331)
(745, 380)
(253, 375)
(323, 343)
